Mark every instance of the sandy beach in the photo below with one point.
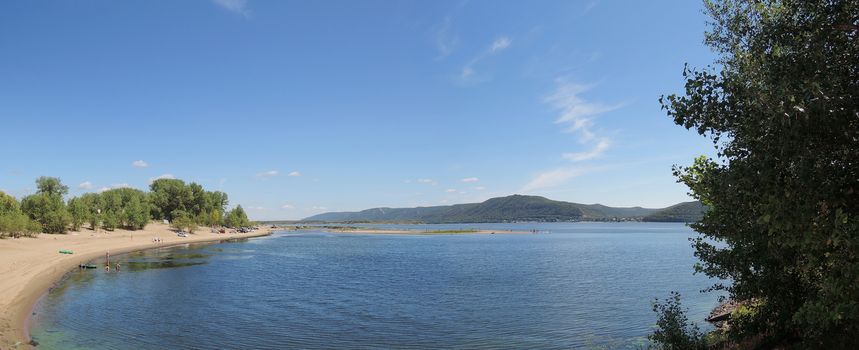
(29, 267)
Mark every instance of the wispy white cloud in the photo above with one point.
(596, 151)
(470, 179)
(139, 164)
(479, 188)
(268, 174)
(295, 174)
(451, 190)
(86, 185)
(319, 208)
(162, 176)
(552, 178)
(578, 115)
(498, 45)
(427, 181)
(445, 41)
(287, 206)
(239, 7)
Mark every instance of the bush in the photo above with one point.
(673, 329)
(47, 209)
(182, 221)
(16, 224)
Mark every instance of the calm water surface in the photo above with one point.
(584, 285)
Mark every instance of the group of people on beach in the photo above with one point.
(157, 240)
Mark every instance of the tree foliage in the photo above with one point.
(673, 329)
(125, 207)
(48, 209)
(237, 218)
(782, 108)
(78, 213)
(51, 185)
(182, 221)
(93, 203)
(171, 195)
(13, 222)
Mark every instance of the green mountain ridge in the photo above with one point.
(516, 208)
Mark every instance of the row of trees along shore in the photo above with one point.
(184, 205)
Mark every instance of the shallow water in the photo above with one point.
(583, 285)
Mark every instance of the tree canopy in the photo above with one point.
(51, 186)
(127, 208)
(12, 221)
(781, 105)
(169, 195)
(237, 218)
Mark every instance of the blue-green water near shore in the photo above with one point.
(583, 285)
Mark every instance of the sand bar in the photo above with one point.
(29, 267)
(425, 232)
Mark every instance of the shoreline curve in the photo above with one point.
(31, 267)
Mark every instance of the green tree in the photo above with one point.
(109, 220)
(182, 221)
(673, 329)
(167, 196)
(78, 212)
(782, 109)
(136, 212)
(8, 204)
(93, 204)
(13, 222)
(51, 185)
(128, 207)
(237, 218)
(47, 209)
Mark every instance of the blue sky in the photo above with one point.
(299, 107)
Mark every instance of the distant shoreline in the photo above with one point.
(30, 267)
(426, 232)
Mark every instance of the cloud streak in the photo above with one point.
(552, 178)
(86, 185)
(597, 150)
(139, 164)
(578, 115)
(498, 45)
(268, 174)
(445, 41)
(239, 7)
(427, 181)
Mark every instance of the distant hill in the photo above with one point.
(683, 212)
(502, 209)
